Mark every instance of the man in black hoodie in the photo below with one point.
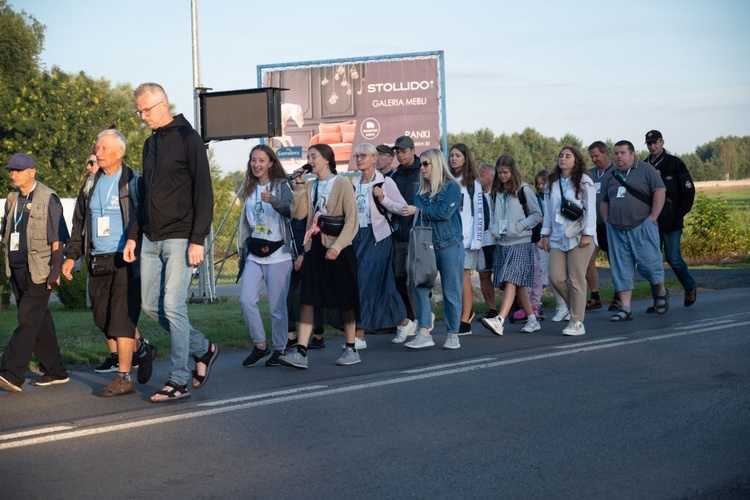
(174, 217)
(680, 196)
(406, 177)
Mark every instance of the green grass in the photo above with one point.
(81, 343)
(739, 204)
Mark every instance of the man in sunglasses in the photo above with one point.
(680, 196)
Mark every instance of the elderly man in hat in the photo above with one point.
(385, 160)
(679, 201)
(33, 232)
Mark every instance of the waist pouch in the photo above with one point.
(263, 248)
(331, 225)
(105, 263)
(570, 210)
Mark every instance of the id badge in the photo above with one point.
(260, 228)
(598, 186)
(621, 192)
(15, 241)
(502, 226)
(102, 227)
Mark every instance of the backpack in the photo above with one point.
(536, 231)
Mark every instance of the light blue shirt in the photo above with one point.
(105, 203)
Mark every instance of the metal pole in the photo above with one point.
(205, 278)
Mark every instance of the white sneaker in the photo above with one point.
(404, 331)
(432, 321)
(495, 325)
(574, 328)
(420, 341)
(359, 343)
(452, 342)
(532, 325)
(561, 314)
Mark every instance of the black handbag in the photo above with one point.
(331, 225)
(568, 209)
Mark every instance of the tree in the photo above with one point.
(21, 42)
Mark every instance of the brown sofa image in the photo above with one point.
(339, 135)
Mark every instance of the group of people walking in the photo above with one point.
(330, 248)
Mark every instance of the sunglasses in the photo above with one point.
(425, 163)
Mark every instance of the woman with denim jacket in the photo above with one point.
(265, 239)
(437, 199)
(514, 254)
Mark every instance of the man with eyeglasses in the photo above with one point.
(174, 218)
(680, 196)
(405, 177)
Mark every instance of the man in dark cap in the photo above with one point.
(385, 160)
(34, 232)
(680, 196)
(406, 177)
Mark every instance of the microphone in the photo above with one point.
(307, 168)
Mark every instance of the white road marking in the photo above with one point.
(447, 365)
(357, 387)
(35, 432)
(715, 323)
(592, 342)
(263, 396)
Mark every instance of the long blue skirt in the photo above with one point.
(379, 301)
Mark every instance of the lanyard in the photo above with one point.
(624, 177)
(258, 206)
(324, 192)
(116, 180)
(359, 186)
(15, 208)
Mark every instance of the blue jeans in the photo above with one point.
(450, 263)
(671, 241)
(165, 277)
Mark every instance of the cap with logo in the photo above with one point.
(653, 136)
(403, 142)
(20, 161)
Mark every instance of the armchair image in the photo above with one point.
(339, 135)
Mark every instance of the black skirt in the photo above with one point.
(330, 284)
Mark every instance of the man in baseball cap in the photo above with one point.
(33, 231)
(680, 196)
(385, 160)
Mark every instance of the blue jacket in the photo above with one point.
(441, 213)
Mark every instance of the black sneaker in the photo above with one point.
(48, 379)
(274, 359)
(146, 367)
(464, 328)
(136, 361)
(316, 343)
(491, 313)
(255, 357)
(111, 364)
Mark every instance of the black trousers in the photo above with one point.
(35, 332)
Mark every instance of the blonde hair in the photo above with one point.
(439, 176)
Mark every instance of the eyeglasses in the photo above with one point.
(425, 163)
(360, 157)
(91, 163)
(146, 111)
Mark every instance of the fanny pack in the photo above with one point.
(102, 264)
(331, 225)
(263, 248)
(568, 209)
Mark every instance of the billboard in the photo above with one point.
(345, 102)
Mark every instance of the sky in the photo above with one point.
(599, 70)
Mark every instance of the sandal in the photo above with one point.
(173, 392)
(621, 316)
(661, 304)
(208, 360)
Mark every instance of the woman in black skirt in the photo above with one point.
(329, 270)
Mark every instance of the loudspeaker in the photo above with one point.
(240, 114)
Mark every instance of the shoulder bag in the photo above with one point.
(421, 263)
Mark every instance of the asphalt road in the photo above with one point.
(654, 408)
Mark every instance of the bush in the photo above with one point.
(5, 287)
(711, 235)
(72, 294)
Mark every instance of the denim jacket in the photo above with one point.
(441, 213)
